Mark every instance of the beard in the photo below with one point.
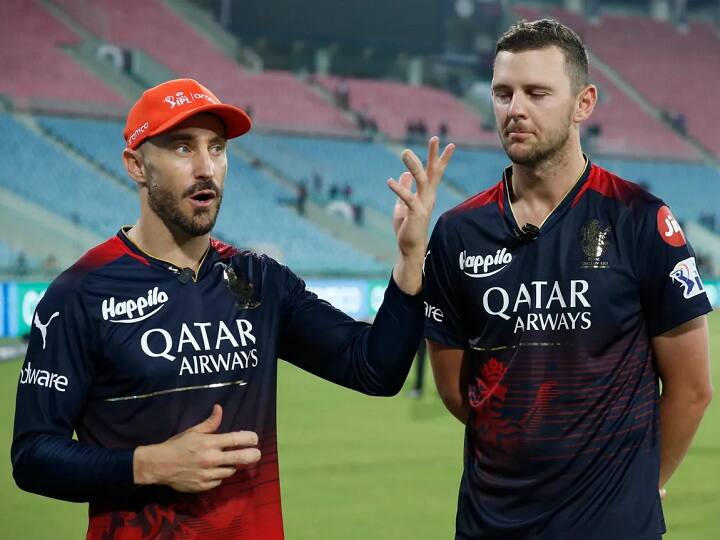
(542, 151)
(166, 206)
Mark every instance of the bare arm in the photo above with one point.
(684, 365)
(451, 370)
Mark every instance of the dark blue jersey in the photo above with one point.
(562, 439)
(128, 350)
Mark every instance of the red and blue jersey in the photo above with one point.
(129, 350)
(562, 439)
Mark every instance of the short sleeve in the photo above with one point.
(671, 289)
(443, 320)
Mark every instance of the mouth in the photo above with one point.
(203, 198)
(519, 135)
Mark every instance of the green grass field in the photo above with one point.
(355, 467)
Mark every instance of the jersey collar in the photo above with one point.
(161, 263)
(556, 214)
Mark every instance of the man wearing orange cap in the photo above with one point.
(159, 347)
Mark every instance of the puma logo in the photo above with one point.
(43, 327)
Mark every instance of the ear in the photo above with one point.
(585, 103)
(135, 166)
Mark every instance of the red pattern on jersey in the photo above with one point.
(107, 252)
(495, 194)
(244, 507)
(487, 399)
(224, 250)
(609, 185)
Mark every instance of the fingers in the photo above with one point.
(433, 146)
(447, 154)
(211, 424)
(404, 193)
(235, 439)
(246, 456)
(406, 180)
(415, 166)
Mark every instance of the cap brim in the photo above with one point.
(236, 121)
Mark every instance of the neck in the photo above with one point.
(158, 240)
(536, 190)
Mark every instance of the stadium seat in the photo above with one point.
(363, 165)
(34, 68)
(392, 105)
(627, 129)
(277, 99)
(43, 173)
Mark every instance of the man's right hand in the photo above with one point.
(197, 459)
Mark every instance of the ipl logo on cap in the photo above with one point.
(180, 99)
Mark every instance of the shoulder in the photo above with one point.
(490, 200)
(611, 187)
(71, 281)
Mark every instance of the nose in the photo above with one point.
(203, 164)
(517, 106)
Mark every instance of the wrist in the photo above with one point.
(144, 472)
(407, 274)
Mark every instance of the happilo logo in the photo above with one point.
(686, 274)
(480, 266)
(180, 99)
(135, 310)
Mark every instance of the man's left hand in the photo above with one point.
(413, 210)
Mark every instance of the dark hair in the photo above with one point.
(525, 36)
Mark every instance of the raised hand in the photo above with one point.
(413, 210)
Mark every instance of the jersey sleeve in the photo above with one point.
(443, 320)
(373, 359)
(671, 289)
(52, 391)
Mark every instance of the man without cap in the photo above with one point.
(556, 300)
(159, 347)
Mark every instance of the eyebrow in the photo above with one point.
(171, 138)
(531, 86)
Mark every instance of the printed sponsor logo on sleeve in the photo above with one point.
(687, 276)
(434, 313)
(44, 327)
(42, 377)
(668, 228)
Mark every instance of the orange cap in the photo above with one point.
(164, 106)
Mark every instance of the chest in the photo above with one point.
(577, 277)
(181, 335)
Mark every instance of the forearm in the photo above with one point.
(679, 419)
(407, 272)
(66, 469)
(451, 372)
(373, 359)
(454, 399)
(458, 409)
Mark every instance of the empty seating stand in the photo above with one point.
(35, 68)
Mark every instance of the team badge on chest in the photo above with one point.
(595, 242)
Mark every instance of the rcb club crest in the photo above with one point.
(595, 242)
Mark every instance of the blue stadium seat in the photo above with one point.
(365, 166)
(252, 213)
(43, 173)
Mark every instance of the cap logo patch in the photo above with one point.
(180, 99)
